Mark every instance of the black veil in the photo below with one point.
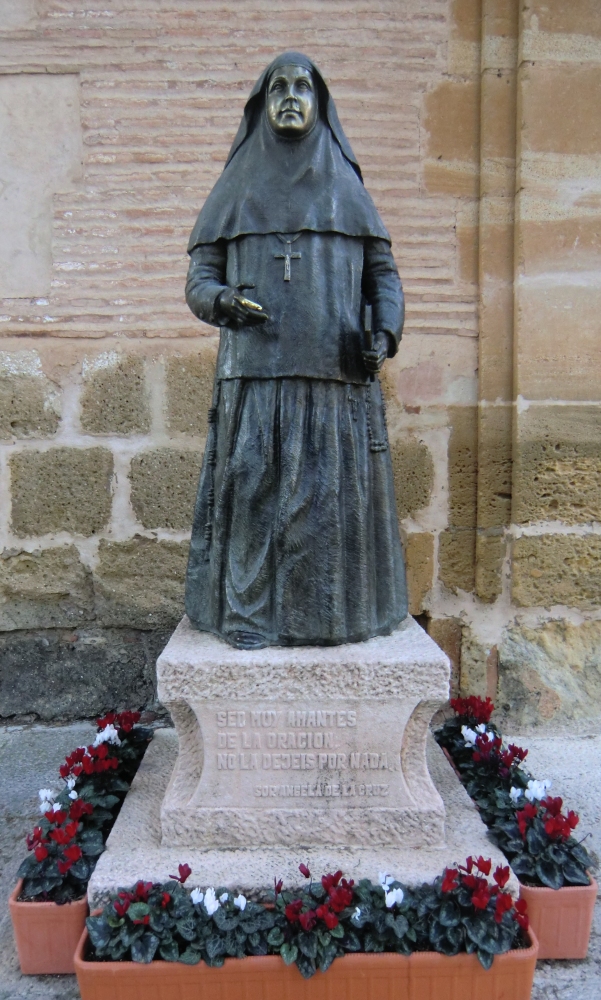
(272, 184)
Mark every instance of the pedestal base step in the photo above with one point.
(134, 847)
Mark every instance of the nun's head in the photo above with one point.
(291, 101)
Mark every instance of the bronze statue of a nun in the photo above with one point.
(295, 538)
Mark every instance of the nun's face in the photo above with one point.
(291, 101)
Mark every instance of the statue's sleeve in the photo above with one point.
(383, 290)
(206, 280)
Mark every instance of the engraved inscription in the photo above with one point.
(262, 740)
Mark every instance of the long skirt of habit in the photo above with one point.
(295, 533)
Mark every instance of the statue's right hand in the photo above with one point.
(236, 306)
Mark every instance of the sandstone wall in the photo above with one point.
(115, 125)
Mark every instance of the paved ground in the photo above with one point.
(29, 760)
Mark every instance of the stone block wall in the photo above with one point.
(476, 125)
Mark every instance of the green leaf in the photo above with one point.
(190, 957)
(524, 865)
(81, 870)
(485, 958)
(226, 921)
(449, 914)
(581, 855)
(99, 931)
(289, 953)
(337, 931)
(549, 873)
(215, 946)
(28, 867)
(306, 966)
(327, 956)
(307, 944)
(117, 951)
(574, 873)
(275, 937)
(138, 911)
(535, 841)
(186, 927)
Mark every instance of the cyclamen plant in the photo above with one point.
(529, 827)
(76, 820)
(311, 927)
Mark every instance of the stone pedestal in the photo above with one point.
(303, 746)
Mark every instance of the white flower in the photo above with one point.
(197, 896)
(384, 879)
(56, 807)
(515, 794)
(481, 728)
(71, 782)
(107, 735)
(73, 795)
(224, 897)
(357, 912)
(211, 902)
(46, 799)
(393, 897)
(537, 790)
(469, 736)
(240, 902)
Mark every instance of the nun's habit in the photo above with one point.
(295, 537)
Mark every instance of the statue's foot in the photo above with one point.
(247, 640)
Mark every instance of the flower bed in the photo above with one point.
(529, 825)
(77, 819)
(65, 846)
(463, 911)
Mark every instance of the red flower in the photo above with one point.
(141, 891)
(528, 812)
(501, 876)
(34, 838)
(277, 887)
(449, 881)
(553, 806)
(121, 908)
(107, 720)
(304, 871)
(484, 866)
(60, 836)
(469, 864)
(573, 819)
(307, 920)
(521, 914)
(40, 852)
(330, 881)
(330, 919)
(341, 897)
(165, 900)
(470, 881)
(292, 910)
(473, 709)
(143, 920)
(63, 866)
(73, 853)
(80, 808)
(56, 817)
(184, 873)
(503, 904)
(481, 897)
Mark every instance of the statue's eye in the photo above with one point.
(303, 85)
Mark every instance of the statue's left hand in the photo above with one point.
(375, 358)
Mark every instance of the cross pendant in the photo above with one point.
(287, 257)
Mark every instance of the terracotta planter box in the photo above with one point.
(46, 935)
(423, 976)
(561, 918)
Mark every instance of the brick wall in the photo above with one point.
(117, 123)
